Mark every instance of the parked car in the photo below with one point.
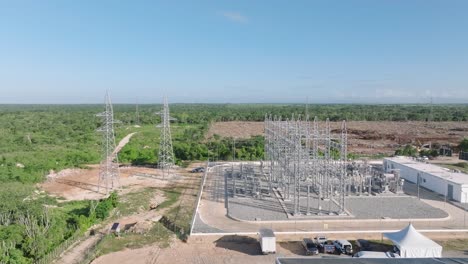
(364, 245)
(343, 246)
(320, 239)
(327, 247)
(198, 169)
(310, 247)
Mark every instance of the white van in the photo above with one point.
(343, 246)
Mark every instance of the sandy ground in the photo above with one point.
(81, 184)
(245, 252)
(179, 252)
(366, 137)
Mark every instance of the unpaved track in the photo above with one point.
(79, 250)
(123, 142)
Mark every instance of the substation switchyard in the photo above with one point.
(307, 170)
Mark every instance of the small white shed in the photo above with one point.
(267, 241)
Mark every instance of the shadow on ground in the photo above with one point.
(380, 246)
(242, 244)
(294, 247)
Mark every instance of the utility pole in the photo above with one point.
(464, 208)
(137, 114)
(166, 152)
(109, 168)
(431, 114)
(418, 187)
(234, 149)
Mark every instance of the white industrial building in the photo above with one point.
(435, 178)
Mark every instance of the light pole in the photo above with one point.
(464, 211)
(418, 186)
(446, 190)
(234, 149)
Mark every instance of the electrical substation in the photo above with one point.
(306, 167)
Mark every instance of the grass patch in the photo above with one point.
(371, 156)
(133, 202)
(172, 196)
(181, 216)
(454, 244)
(76, 207)
(461, 166)
(157, 234)
(381, 245)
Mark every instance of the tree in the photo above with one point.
(464, 145)
(408, 150)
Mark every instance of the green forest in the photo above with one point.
(39, 138)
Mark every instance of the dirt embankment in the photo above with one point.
(366, 137)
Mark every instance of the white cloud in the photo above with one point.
(235, 17)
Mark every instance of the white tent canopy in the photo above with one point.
(413, 244)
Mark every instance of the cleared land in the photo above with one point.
(146, 197)
(367, 137)
(239, 250)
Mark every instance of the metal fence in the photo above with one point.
(90, 254)
(200, 191)
(463, 155)
(54, 254)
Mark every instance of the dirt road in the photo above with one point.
(78, 251)
(123, 142)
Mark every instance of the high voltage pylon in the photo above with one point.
(109, 168)
(166, 153)
(137, 114)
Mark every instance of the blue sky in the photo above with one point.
(329, 51)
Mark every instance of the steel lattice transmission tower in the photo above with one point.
(137, 114)
(166, 153)
(109, 169)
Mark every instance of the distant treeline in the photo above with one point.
(38, 138)
(201, 113)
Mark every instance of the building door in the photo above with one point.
(450, 191)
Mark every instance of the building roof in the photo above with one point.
(444, 173)
(341, 260)
(265, 232)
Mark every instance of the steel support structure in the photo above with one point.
(305, 157)
(109, 167)
(166, 152)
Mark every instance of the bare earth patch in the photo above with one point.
(81, 184)
(366, 137)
